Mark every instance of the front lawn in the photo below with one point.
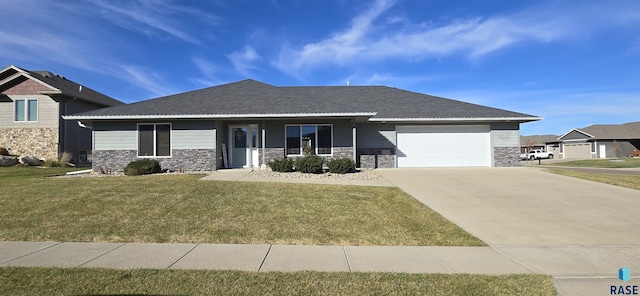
(181, 208)
(79, 281)
(602, 163)
(630, 181)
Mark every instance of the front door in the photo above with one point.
(243, 152)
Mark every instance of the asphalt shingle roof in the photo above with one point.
(72, 89)
(630, 130)
(257, 98)
(64, 85)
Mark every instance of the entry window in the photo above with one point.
(26, 110)
(154, 140)
(309, 139)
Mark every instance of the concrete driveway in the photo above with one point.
(526, 206)
(578, 231)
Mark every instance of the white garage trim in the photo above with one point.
(443, 146)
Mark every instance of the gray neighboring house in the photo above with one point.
(32, 104)
(600, 141)
(249, 123)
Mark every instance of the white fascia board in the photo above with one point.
(478, 119)
(216, 116)
(574, 130)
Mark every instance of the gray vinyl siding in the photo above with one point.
(48, 114)
(184, 135)
(505, 138)
(115, 135)
(193, 135)
(615, 149)
(376, 135)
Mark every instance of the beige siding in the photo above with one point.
(48, 112)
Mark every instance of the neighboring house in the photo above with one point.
(249, 123)
(600, 141)
(547, 143)
(32, 104)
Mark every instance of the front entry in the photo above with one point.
(243, 152)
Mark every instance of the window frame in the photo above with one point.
(155, 140)
(315, 140)
(25, 110)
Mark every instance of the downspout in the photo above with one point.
(353, 127)
(264, 141)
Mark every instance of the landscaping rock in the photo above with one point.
(6, 161)
(29, 160)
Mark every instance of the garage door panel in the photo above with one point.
(443, 146)
(577, 151)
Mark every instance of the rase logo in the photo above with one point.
(624, 274)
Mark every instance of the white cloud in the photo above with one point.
(156, 16)
(366, 41)
(147, 79)
(243, 60)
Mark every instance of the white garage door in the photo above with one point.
(443, 146)
(577, 150)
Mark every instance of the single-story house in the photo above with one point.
(540, 142)
(249, 123)
(32, 104)
(600, 141)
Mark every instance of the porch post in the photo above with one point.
(353, 127)
(264, 141)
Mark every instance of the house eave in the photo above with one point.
(220, 116)
(459, 119)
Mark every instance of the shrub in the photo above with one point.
(52, 163)
(142, 167)
(4, 151)
(342, 166)
(281, 165)
(311, 164)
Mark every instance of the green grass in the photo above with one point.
(183, 209)
(602, 163)
(629, 181)
(78, 281)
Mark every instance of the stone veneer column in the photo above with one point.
(506, 156)
(376, 158)
(40, 142)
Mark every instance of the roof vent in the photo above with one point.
(348, 83)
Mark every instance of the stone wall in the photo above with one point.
(506, 156)
(39, 142)
(371, 158)
(187, 159)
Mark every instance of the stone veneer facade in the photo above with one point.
(371, 158)
(40, 142)
(506, 156)
(187, 159)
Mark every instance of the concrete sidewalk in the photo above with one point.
(261, 258)
(243, 175)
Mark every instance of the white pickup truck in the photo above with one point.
(537, 154)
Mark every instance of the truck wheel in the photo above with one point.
(532, 157)
(550, 156)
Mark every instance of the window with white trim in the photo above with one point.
(154, 139)
(26, 110)
(303, 139)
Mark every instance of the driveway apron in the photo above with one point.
(581, 232)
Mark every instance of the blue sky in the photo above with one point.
(575, 63)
